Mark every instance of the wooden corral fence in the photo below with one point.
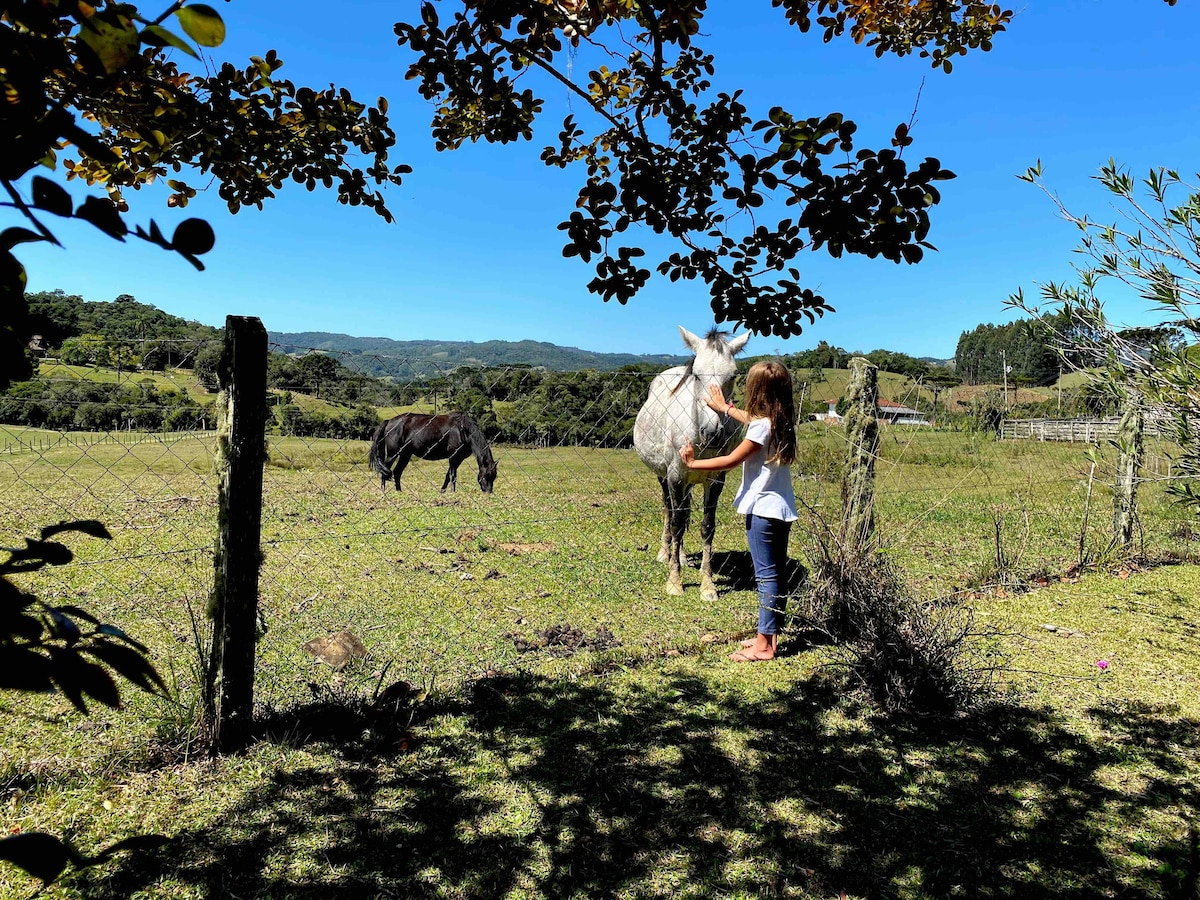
(77, 439)
(1083, 431)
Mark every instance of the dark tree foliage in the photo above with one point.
(1027, 346)
(57, 316)
(665, 149)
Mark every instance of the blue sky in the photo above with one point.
(474, 253)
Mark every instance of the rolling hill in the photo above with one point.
(452, 354)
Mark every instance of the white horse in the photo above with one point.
(673, 414)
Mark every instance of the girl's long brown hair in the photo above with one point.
(769, 395)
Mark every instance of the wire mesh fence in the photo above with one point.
(443, 584)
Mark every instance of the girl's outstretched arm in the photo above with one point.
(731, 460)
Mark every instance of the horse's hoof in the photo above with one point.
(674, 589)
(663, 556)
(708, 594)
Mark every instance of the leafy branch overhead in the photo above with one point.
(662, 148)
(94, 92)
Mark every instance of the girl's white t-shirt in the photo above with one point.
(766, 486)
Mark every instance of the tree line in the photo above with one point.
(1036, 351)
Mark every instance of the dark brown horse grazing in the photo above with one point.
(453, 436)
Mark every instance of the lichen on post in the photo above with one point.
(241, 436)
(1130, 452)
(856, 537)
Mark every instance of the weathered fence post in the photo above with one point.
(241, 443)
(1130, 451)
(858, 484)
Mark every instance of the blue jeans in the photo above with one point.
(768, 540)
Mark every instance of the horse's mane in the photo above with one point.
(475, 437)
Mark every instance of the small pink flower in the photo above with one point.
(1102, 664)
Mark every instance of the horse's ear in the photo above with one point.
(693, 343)
(736, 344)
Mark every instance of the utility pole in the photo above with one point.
(1004, 368)
(1060, 388)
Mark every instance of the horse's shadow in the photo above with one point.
(733, 570)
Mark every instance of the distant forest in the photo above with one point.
(1029, 348)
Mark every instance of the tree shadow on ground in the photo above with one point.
(594, 788)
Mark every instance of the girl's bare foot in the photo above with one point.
(749, 642)
(760, 649)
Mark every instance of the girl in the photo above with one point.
(765, 497)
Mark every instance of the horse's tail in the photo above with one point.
(375, 457)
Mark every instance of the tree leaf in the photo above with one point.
(135, 844)
(65, 628)
(202, 24)
(50, 552)
(24, 669)
(114, 631)
(101, 686)
(10, 237)
(103, 214)
(67, 676)
(77, 612)
(112, 37)
(92, 527)
(157, 36)
(193, 237)
(51, 197)
(129, 664)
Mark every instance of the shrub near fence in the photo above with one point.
(441, 586)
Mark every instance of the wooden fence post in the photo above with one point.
(1130, 450)
(858, 484)
(241, 445)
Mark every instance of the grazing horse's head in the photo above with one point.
(487, 475)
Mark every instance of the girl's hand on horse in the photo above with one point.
(687, 453)
(716, 399)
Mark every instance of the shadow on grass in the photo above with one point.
(606, 788)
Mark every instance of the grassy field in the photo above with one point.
(647, 764)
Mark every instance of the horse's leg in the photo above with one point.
(685, 526)
(708, 528)
(401, 462)
(452, 469)
(664, 552)
(678, 493)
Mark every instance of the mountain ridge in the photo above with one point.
(468, 353)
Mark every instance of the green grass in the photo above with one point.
(180, 380)
(655, 769)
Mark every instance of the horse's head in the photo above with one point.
(487, 475)
(714, 363)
